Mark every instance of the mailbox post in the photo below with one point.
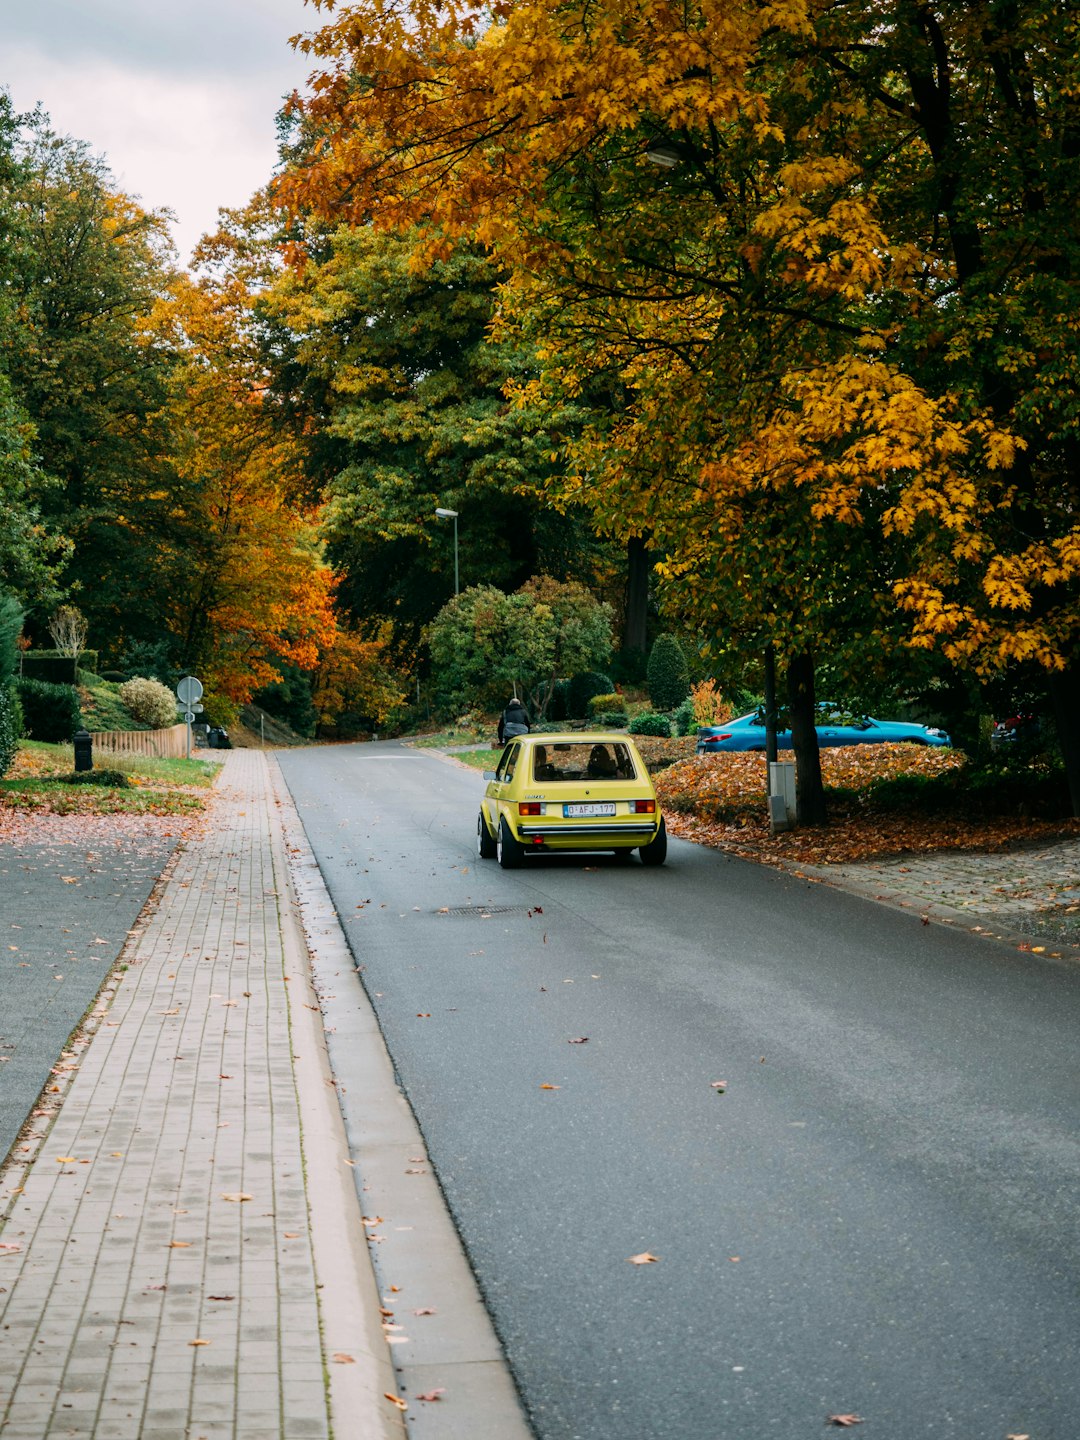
(84, 750)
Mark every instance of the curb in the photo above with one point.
(454, 1350)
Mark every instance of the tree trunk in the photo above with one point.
(809, 787)
(1065, 693)
(638, 570)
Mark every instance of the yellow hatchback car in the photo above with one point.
(557, 793)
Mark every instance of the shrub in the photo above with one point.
(557, 704)
(612, 719)
(710, 707)
(582, 688)
(650, 723)
(612, 701)
(113, 778)
(150, 702)
(669, 678)
(50, 712)
(684, 720)
(10, 725)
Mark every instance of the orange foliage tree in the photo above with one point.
(837, 324)
(257, 588)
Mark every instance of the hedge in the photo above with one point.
(10, 725)
(50, 712)
(54, 668)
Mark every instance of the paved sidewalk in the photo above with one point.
(160, 1267)
(1030, 897)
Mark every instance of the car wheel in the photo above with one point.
(486, 846)
(655, 853)
(510, 851)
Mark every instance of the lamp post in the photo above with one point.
(451, 515)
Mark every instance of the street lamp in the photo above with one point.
(451, 515)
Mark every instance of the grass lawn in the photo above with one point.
(158, 787)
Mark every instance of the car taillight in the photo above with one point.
(530, 807)
(644, 807)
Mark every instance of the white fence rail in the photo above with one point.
(167, 744)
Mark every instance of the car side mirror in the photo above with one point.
(489, 774)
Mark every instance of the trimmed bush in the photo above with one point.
(50, 712)
(650, 723)
(149, 701)
(582, 688)
(55, 668)
(614, 701)
(10, 725)
(684, 719)
(669, 677)
(612, 719)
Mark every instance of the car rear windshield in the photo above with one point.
(582, 760)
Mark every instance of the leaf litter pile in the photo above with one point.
(878, 798)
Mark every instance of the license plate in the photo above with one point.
(573, 812)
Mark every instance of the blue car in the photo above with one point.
(834, 727)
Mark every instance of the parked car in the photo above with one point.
(553, 794)
(1017, 731)
(834, 727)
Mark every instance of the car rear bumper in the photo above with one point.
(623, 831)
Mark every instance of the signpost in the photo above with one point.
(189, 693)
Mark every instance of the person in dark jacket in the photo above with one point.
(513, 721)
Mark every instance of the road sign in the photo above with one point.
(189, 690)
(198, 707)
(189, 715)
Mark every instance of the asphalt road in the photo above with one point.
(65, 911)
(877, 1217)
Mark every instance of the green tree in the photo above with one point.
(11, 618)
(486, 645)
(668, 676)
(84, 268)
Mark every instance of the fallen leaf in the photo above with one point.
(198, 1342)
(179, 1245)
(844, 1420)
(291, 1234)
(238, 1196)
(65, 1159)
(221, 1297)
(719, 1085)
(581, 1040)
(340, 1358)
(643, 1259)
(427, 1310)
(395, 1400)
(431, 1395)
(550, 1087)
(423, 1015)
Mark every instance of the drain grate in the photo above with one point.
(480, 911)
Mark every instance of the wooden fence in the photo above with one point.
(170, 743)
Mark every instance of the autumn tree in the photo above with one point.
(851, 282)
(256, 588)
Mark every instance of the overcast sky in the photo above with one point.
(179, 97)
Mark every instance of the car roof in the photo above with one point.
(574, 737)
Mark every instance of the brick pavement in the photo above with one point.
(1030, 897)
(158, 1273)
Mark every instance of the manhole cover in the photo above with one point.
(481, 911)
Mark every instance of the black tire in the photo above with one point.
(486, 846)
(655, 853)
(510, 852)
